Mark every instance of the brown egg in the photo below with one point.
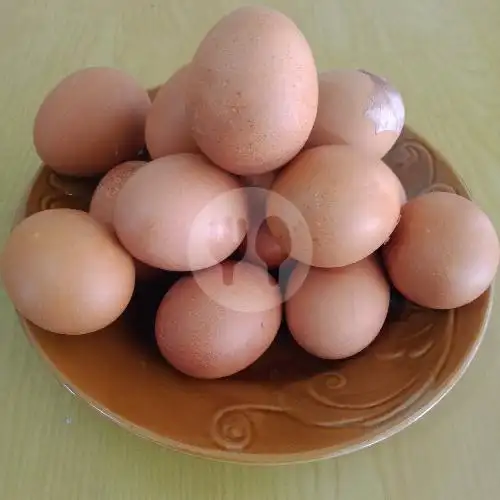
(336, 313)
(403, 197)
(219, 321)
(444, 252)
(66, 273)
(102, 206)
(181, 213)
(263, 248)
(93, 120)
(168, 130)
(253, 91)
(343, 203)
(359, 109)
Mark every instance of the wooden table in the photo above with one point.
(442, 54)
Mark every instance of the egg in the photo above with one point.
(444, 252)
(263, 248)
(181, 213)
(168, 130)
(342, 201)
(91, 121)
(102, 206)
(359, 109)
(403, 197)
(219, 321)
(66, 273)
(260, 246)
(253, 92)
(336, 313)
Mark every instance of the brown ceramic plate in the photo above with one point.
(289, 406)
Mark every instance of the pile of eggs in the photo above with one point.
(255, 164)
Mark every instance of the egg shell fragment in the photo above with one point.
(359, 109)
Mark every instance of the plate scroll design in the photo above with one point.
(331, 400)
(415, 165)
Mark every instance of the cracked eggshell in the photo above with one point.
(359, 109)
